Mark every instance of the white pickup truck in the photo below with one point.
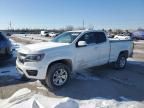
(54, 61)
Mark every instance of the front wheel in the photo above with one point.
(58, 75)
(121, 62)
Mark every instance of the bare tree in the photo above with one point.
(69, 28)
(119, 31)
(91, 27)
(110, 31)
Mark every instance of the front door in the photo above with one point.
(88, 55)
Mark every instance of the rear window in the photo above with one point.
(100, 37)
(93, 37)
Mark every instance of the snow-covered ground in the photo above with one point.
(25, 98)
(139, 51)
(35, 37)
(138, 62)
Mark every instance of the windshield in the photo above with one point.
(66, 37)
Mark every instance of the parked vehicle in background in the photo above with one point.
(138, 35)
(8, 34)
(55, 61)
(52, 34)
(5, 47)
(44, 33)
(122, 36)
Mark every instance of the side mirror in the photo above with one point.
(82, 43)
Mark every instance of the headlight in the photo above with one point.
(34, 57)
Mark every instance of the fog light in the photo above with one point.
(32, 72)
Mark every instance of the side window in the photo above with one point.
(100, 37)
(89, 38)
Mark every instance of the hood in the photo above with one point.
(41, 46)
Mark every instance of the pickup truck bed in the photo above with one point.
(120, 44)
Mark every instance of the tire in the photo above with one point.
(57, 76)
(121, 62)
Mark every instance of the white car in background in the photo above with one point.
(44, 33)
(122, 37)
(52, 34)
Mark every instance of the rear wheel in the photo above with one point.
(57, 76)
(121, 62)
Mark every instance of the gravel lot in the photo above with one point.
(101, 81)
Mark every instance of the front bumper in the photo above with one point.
(32, 70)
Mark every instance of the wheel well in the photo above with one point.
(124, 53)
(64, 61)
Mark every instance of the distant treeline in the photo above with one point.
(68, 28)
(30, 31)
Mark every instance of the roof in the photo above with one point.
(86, 31)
